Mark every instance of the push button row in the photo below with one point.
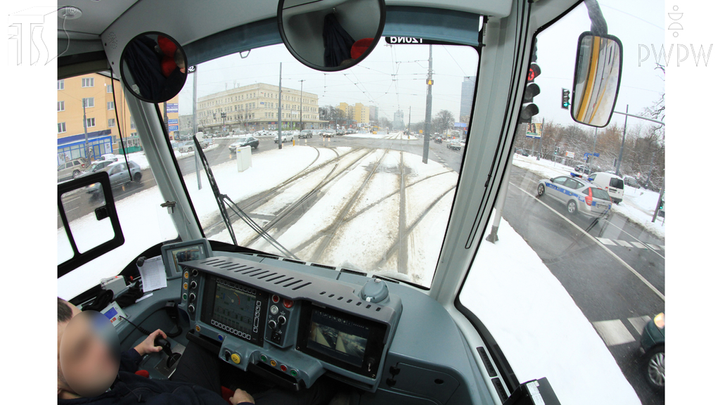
(285, 369)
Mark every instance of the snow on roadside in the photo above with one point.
(638, 205)
(539, 327)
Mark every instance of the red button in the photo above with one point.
(287, 303)
(275, 298)
(283, 367)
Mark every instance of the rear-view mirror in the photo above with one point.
(331, 35)
(598, 67)
(153, 67)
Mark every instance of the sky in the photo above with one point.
(638, 24)
(392, 77)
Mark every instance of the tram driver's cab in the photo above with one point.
(280, 312)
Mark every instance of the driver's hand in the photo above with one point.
(148, 345)
(241, 396)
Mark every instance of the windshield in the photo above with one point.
(359, 195)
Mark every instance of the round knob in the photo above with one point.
(272, 324)
(191, 308)
(282, 320)
(374, 290)
(193, 285)
(192, 297)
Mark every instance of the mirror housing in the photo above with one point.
(331, 35)
(153, 67)
(598, 68)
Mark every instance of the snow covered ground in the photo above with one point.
(638, 205)
(366, 238)
(382, 135)
(141, 160)
(539, 327)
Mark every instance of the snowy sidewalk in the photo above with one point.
(539, 327)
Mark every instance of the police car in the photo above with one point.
(578, 195)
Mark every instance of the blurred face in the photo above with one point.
(88, 354)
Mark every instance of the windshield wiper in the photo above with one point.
(223, 199)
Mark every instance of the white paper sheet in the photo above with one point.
(153, 274)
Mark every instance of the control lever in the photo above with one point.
(172, 357)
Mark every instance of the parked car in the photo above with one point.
(612, 183)
(109, 156)
(522, 152)
(631, 181)
(652, 346)
(119, 176)
(454, 145)
(184, 147)
(578, 195)
(305, 133)
(244, 141)
(72, 169)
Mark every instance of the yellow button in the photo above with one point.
(184, 286)
(187, 274)
(197, 328)
(235, 358)
(273, 363)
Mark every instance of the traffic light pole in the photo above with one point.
(428, 111)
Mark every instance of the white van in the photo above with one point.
(613, 184)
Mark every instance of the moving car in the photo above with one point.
(98, 166)
(652, 345)
(244, 141)
(454, 145)
(72, 169)
(305, 133)
(119, 176)
(438, 139)
(578, 196)
(286, 137)
(612, 183)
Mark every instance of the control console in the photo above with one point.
(290, 325)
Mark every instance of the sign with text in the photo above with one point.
(172, 107)
(414, 40)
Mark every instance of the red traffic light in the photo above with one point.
(533, 72)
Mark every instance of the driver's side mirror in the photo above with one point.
(598, 67)
(552, 180)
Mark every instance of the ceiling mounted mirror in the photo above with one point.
(331, 35)
(153, 67)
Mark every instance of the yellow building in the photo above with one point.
(255, 107)
(94, 91)
(361, 113)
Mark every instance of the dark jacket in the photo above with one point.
(130, 388)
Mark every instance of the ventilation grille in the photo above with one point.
(500, 389)
(275, 280)
(486, 360)
(268, 276)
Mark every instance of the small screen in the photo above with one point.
(186, 254)
(337, 337)
(235, 308)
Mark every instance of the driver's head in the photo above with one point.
(87, 359)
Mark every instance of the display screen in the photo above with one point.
(338, 337)
(186, 254)
(234, 308)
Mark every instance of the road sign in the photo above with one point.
(172, 121)
(172, 107)
(172, 128)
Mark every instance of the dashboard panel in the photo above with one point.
(288, 324)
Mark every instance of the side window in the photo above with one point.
(560, 180)
(586, 191)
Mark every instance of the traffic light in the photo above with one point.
(565, 99)
(529, 109)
